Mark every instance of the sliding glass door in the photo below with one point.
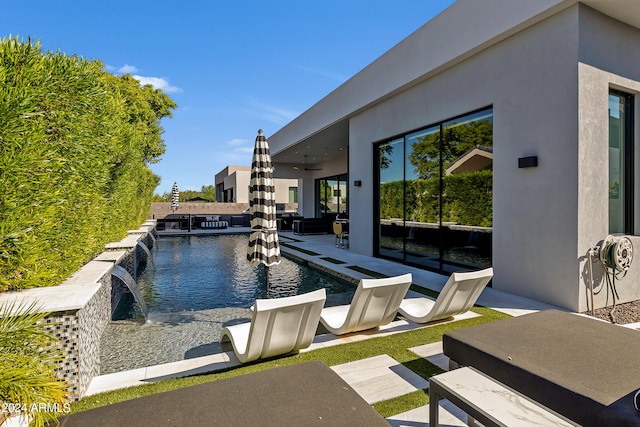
(331, 196)
(435, 194)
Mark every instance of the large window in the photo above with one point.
(331, 196)
(293, 194)
(435, 194)
(621, 154)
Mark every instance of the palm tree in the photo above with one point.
(29, 355)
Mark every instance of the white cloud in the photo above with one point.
(158, 83)
(237, 141)
(244, 150)
(331, 75)
(273, 114)
(127, 69)
(241, 145)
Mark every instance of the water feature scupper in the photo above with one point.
(122, 274)
(147, 252)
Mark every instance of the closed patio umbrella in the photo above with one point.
(175, 196)
(263, 241)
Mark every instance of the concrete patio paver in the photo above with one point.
(449, 415)
(433, 353)
(380, 378)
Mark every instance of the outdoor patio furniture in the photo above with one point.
(458, 296)
(375, 303)
(278, 326)
(583, 368)
(214, 221)
(304, 394)
(311, 226)
(341, 230)
(238, 221)
(487, 401)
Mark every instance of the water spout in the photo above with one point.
(153, 239)
(146, 251)
(124, 275)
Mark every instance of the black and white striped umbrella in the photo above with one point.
(263, 241)
(175, 196)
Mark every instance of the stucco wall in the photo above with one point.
(530, 79)
(593, 221)
(546, 103)
(609, 58)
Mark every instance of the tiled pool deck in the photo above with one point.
(375, 379)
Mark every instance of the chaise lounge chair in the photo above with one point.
(374, 304)
(458, 296)
(278, 326)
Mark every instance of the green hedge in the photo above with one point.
(467, 199)
(75, 145)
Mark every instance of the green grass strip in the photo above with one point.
(400, 404)
(305, 251)
(367, 272)
(332, 260)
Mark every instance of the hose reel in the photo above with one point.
(616, 256)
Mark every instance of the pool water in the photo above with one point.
(199, 285)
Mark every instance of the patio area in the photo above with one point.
(375, 379)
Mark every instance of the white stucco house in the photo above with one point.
(550, 86)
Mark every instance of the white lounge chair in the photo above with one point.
(459, 294)
(278, 326)
(374, 304)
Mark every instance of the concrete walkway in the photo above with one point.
(375, 379)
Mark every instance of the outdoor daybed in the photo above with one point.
(304, 394)
(583, 368)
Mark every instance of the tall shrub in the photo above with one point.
(75, 142)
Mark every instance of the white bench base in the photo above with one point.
(488, 401)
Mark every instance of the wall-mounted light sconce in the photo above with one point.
(528, 162)
(357, 183)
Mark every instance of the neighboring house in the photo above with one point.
(549, 86)
(232, 185)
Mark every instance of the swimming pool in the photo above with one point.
(199, 285)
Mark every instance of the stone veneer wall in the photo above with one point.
(82, 306)
(79, 332)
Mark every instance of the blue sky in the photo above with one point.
(233, 67)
